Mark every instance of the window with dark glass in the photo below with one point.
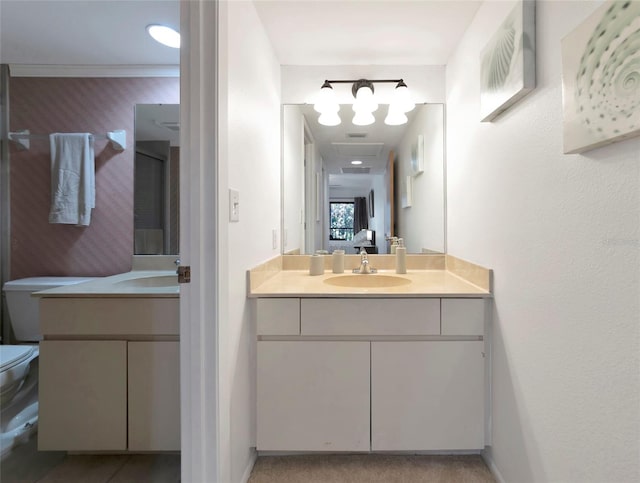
(340, 221)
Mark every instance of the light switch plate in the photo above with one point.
(234, 205)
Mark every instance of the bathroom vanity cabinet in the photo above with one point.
(371, 374)
(109, 374)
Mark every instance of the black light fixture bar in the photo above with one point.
(358, 83)
(357, 80)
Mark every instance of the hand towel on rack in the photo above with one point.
(73, 192)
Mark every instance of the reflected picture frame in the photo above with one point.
(407, 192)
(417, 156)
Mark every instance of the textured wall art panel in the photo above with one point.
(601, 78)
(96, 105)
(508, 62)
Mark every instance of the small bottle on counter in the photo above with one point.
(401, 257)
(394, 245)
(338, 261)
(316, 264)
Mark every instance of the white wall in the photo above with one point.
(293, 179)
(249, 118)
(422, 225)
(561, 233)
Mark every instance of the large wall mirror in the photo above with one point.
(156, 179)
(352, 187)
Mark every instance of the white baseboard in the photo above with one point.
(252, 462)
(488, 459)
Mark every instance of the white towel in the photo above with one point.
(73, 178)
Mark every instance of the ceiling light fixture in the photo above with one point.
(364, 104)
(165, 35)
(356, 162)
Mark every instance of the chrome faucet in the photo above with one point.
(365, 267)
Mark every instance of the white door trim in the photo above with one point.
(199, 378)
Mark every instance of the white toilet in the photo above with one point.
(19, 363)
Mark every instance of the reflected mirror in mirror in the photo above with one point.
(351, 187)
(156, 179)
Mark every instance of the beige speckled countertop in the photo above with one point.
(128, 285)
(428, 276)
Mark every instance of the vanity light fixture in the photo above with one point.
(364, 104)
(164, 35)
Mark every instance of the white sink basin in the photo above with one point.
(367, 281)
(154, 281)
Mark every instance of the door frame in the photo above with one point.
(199, 242)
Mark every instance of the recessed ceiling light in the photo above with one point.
(356, 162)
(165, 35)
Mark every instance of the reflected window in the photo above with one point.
(341, 221)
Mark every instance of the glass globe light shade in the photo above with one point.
(329, 119)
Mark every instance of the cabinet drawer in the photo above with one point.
(370, 317)
(278, 316)
(463, 316)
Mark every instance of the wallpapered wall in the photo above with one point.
(96, 105)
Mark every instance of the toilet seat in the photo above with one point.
(14, 366)
(10, 355)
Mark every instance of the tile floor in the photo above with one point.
(26, 465)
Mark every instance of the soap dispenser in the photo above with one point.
(394, 245)
(401, 257)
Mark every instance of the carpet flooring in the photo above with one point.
(370, 468)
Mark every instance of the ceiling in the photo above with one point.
(365, 32)
(303, 32)
(85, 32)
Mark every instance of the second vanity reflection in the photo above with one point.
(400, 181)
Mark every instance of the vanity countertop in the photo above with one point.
(423, 283)
(441, 275)
(135, 284)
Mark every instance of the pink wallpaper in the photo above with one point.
(96, 105)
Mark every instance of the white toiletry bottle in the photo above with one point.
(338, 261)
(401, 257)
(316, 264)
(394, 245)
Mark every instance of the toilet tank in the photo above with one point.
(24, 314)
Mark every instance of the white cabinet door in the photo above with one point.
(313, 396)
(83, 395)
(427, 395)
(154, 396)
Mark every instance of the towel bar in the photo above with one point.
(117, 138)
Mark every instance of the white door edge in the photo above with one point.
(199, 249)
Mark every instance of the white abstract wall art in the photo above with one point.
(508, 62)
(601, 78)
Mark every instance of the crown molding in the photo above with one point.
(33, 70)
